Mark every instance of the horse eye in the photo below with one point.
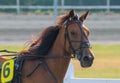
(72, 33)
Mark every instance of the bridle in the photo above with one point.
(83, 44)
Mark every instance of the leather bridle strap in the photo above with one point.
(82, 44)
(43, 62)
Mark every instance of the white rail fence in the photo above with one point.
(55, 6)
(71, 79)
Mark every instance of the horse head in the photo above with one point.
(76, 37)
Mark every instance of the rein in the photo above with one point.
(32, 57)
(7, 51)
(42, 61)
(29, 56)
(13, 53)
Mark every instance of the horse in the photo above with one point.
(48, 57)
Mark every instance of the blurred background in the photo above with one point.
(20, 20)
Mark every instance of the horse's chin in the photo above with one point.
(86, 64)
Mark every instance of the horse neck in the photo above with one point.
(58, 66)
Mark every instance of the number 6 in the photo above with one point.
(6, 71)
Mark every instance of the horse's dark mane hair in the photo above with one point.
(43, 44)
(45, 41)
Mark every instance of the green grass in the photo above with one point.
(106, 50)
(98, 73)
(14, 48)
(11, 47)
(106, 63)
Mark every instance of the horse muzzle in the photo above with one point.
(85, 60)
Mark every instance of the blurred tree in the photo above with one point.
(94, 2)
(115, 2)
(50, 2)
(7, 2)
(67, 2)
(36, 2)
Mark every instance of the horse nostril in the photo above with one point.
(86, 58)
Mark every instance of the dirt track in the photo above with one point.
(20, 28)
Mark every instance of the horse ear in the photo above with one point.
(71, 13)
(84, 16)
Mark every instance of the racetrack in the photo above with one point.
(20, 28)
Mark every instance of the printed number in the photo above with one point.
(6, 70)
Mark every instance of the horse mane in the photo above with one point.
(62, 18)
(45, 41)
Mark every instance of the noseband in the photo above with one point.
(83, 44)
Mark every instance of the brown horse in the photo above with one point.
(47, 59)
